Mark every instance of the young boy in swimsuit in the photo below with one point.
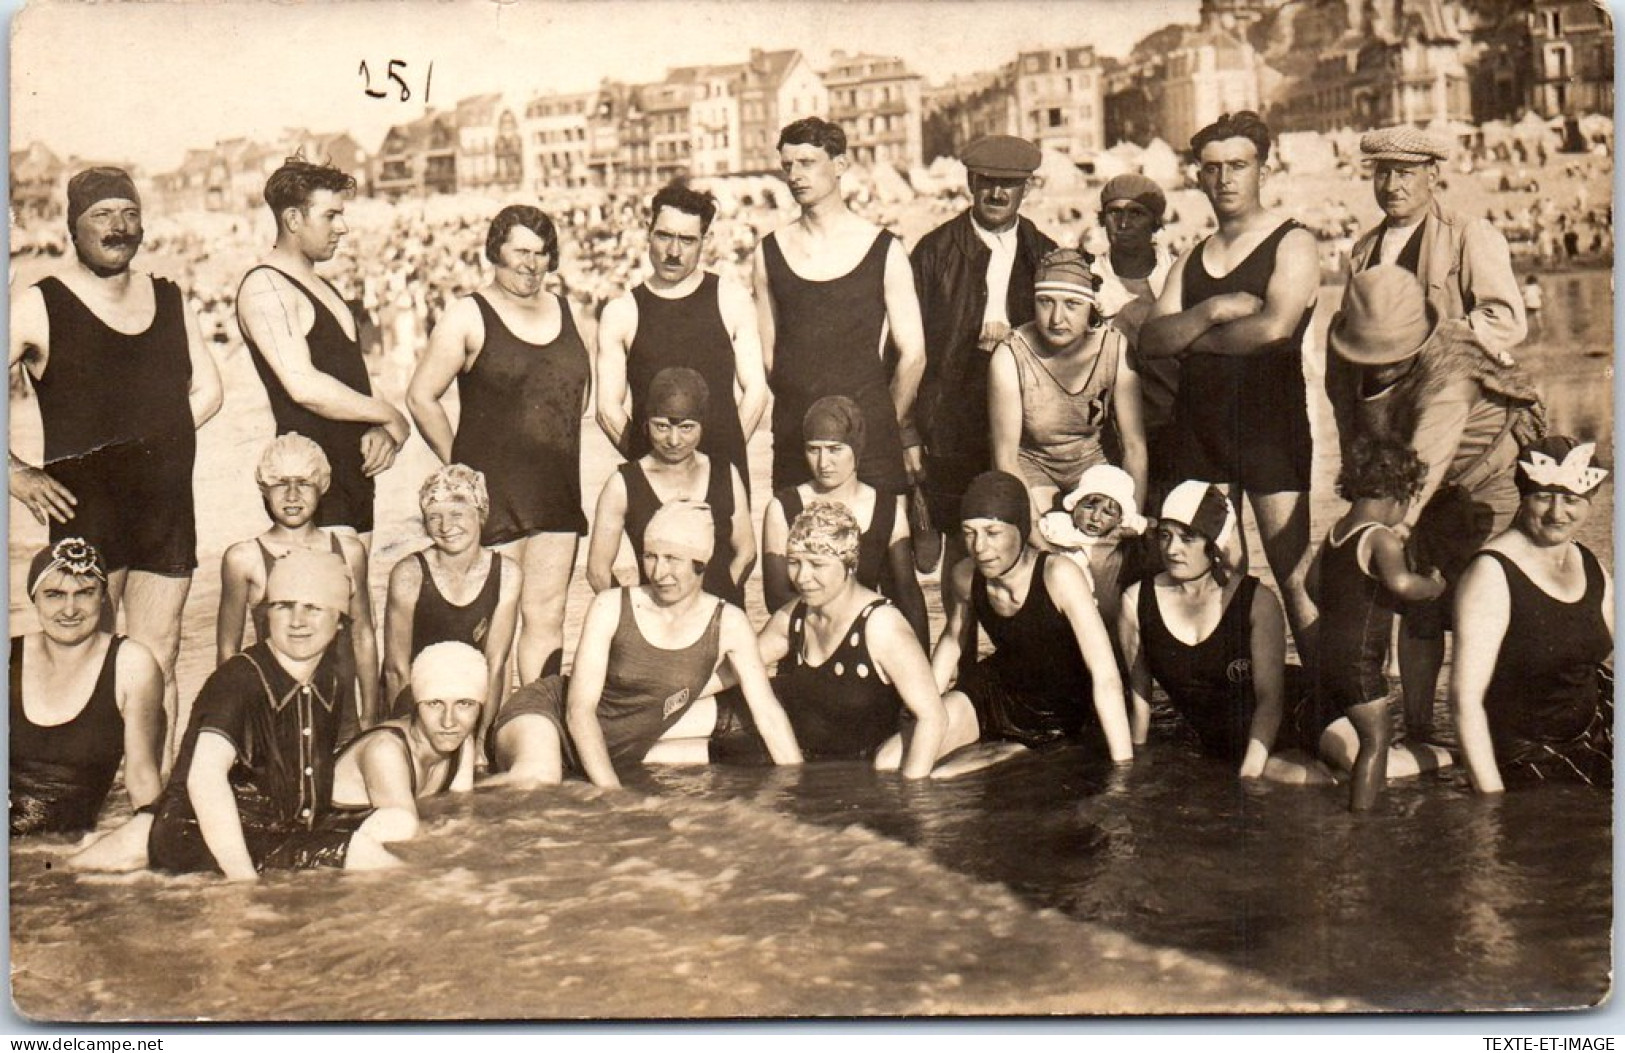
(293, 474)
(391, 766)
(1361, 578)
(456, 589)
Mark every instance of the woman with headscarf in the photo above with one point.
(674, 469)
(832, 434)
(1216, 643)
(1057, 384)
(1534, 623)
(645, 668)
(852, 675)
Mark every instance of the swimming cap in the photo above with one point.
(834, 418)
(292, 456)
(678, 393)
(682, 528)
(455, 482)
(98, 184)
(72, 554)
(306, 575)
(998, 495)
(449, 670)
(1202, 507)
(1559, 464)
(1066, 270)
(1108, 480)
(826, 528)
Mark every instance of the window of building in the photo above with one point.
(1056, 118)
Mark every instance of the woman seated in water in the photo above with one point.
(832, 435)
(849, 664)
(1216, 643)
(1534, 623)
(454, 590)
(82, 700)
(644, 668)
(675, 470)
(432, 751)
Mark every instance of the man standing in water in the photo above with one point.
(974, 277)
(830, 288)
(302, 336)
(1235, 311)
(682, 316)
(124, 382)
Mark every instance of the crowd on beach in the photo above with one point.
(1071, 431)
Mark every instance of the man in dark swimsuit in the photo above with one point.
(682, 316)
(1053, 655)
(831, 288)
(302, 336)
(974, 276)
(123, 382)
(1235, 312)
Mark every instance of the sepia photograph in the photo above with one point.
(692, 510)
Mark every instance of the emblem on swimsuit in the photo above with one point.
(480, 630)
(673, 703)
(1240, 671)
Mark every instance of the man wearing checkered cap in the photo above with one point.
(1463, 263)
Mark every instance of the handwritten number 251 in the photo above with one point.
(394, 72)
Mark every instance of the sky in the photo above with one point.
(145, 81)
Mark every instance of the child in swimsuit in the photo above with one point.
(293, 474)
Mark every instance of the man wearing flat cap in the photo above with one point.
(975, 280)
(1409, 374)
(124, 381)
(1463, 263)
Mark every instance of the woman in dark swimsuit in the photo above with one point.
(849, 664)
(644, 669)
(833, 434)
(1216, 644)
(1534, 623)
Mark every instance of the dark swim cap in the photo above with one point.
(678, 393)
(998, 495)
(834, 418)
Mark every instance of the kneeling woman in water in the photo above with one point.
(849, 662)
(1215, 643)
(647, 655)
(81, 701)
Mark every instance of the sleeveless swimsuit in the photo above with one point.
(521, 426)
(61, 773)
(118, 430)
(1548, 716)
(412, 768)
(436, 619)
(642, 503)
(348, 501)
(1356, 621)
(840, 709)
(873, 543)
(1061, 430)
(686, 332)
(1243, 418)
(828, 342)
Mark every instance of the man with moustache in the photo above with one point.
(123, 381)
(303, 339)
(682, 316)
(831, 289)
(974, 278)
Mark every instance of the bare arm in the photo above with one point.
(743, 535)
(363, 634)
(907, 335)
(1172, 329)
(1291, 292)
(608, 523)
(739, 316)
(1129, 413)
(141, 702)
(776, 588)
(499, 641)
(617, 328)
(1139, 673)
(958, 631)
(1004, 410)
(1388, 559)
(907, 594)
(587, 687)
(766, 319)
(209, 789)
(1483, 616)
(204, 393)
(386, 771)
(738, 643)
(460, 333)
(1069, 589)
(897, 652)
(44, 497)
(1268, 653)
(236, 566)
(404, 582)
